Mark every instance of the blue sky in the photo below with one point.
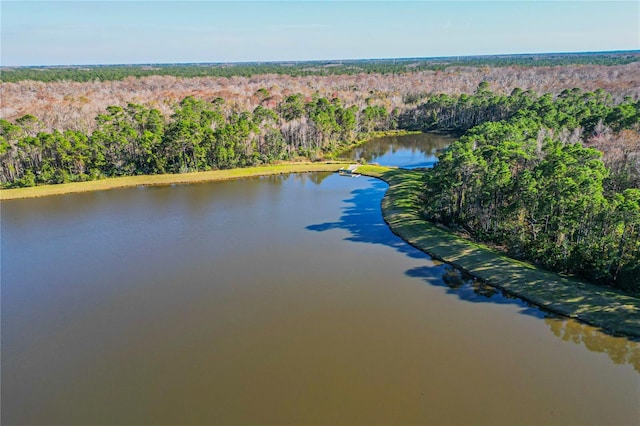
(116, 32)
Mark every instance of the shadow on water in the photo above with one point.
(420, 165)
(469, 289)
(362, 218)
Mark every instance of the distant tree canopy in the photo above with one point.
(86, 73)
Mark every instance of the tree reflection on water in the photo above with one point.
(621, 350)
(407, 151)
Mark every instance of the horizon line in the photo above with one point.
(310, 61)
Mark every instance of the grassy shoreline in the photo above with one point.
(168, 179)
(612, 311)
(332, 163)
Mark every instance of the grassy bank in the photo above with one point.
(610, 310)
(333, 162)
(166, 179)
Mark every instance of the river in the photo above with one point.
(277, 300)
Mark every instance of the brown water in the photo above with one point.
(280, 300)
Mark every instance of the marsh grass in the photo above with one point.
(332, 164)
(167, 179)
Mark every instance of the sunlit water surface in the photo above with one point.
(279, 300)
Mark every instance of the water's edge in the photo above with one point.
(332, 163)
(168, 179)
(613, 312)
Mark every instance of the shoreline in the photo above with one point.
(609, 310)
(169, 179)
(331, 163)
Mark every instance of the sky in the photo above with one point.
(138, 32)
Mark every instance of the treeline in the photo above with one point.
(523, 179)
(198, 136)
(571, 109)
(87, 73)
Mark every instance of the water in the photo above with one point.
(279, 300)
(407, 151)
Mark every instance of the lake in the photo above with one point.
(276, 300)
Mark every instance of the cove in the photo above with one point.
(275, 300)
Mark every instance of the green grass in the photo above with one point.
(166, 179)
(332, 164)
(610, 310)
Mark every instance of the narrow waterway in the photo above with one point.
(407, 151)
(277, 300)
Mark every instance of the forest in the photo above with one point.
(198, 136)
(69, 105)
(305, 68)
(552, 180)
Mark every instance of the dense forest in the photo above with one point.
(70, 105)
(306, 68)
(198, 136)
(553, 180)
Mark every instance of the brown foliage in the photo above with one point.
(73, 105)
(621, 155)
